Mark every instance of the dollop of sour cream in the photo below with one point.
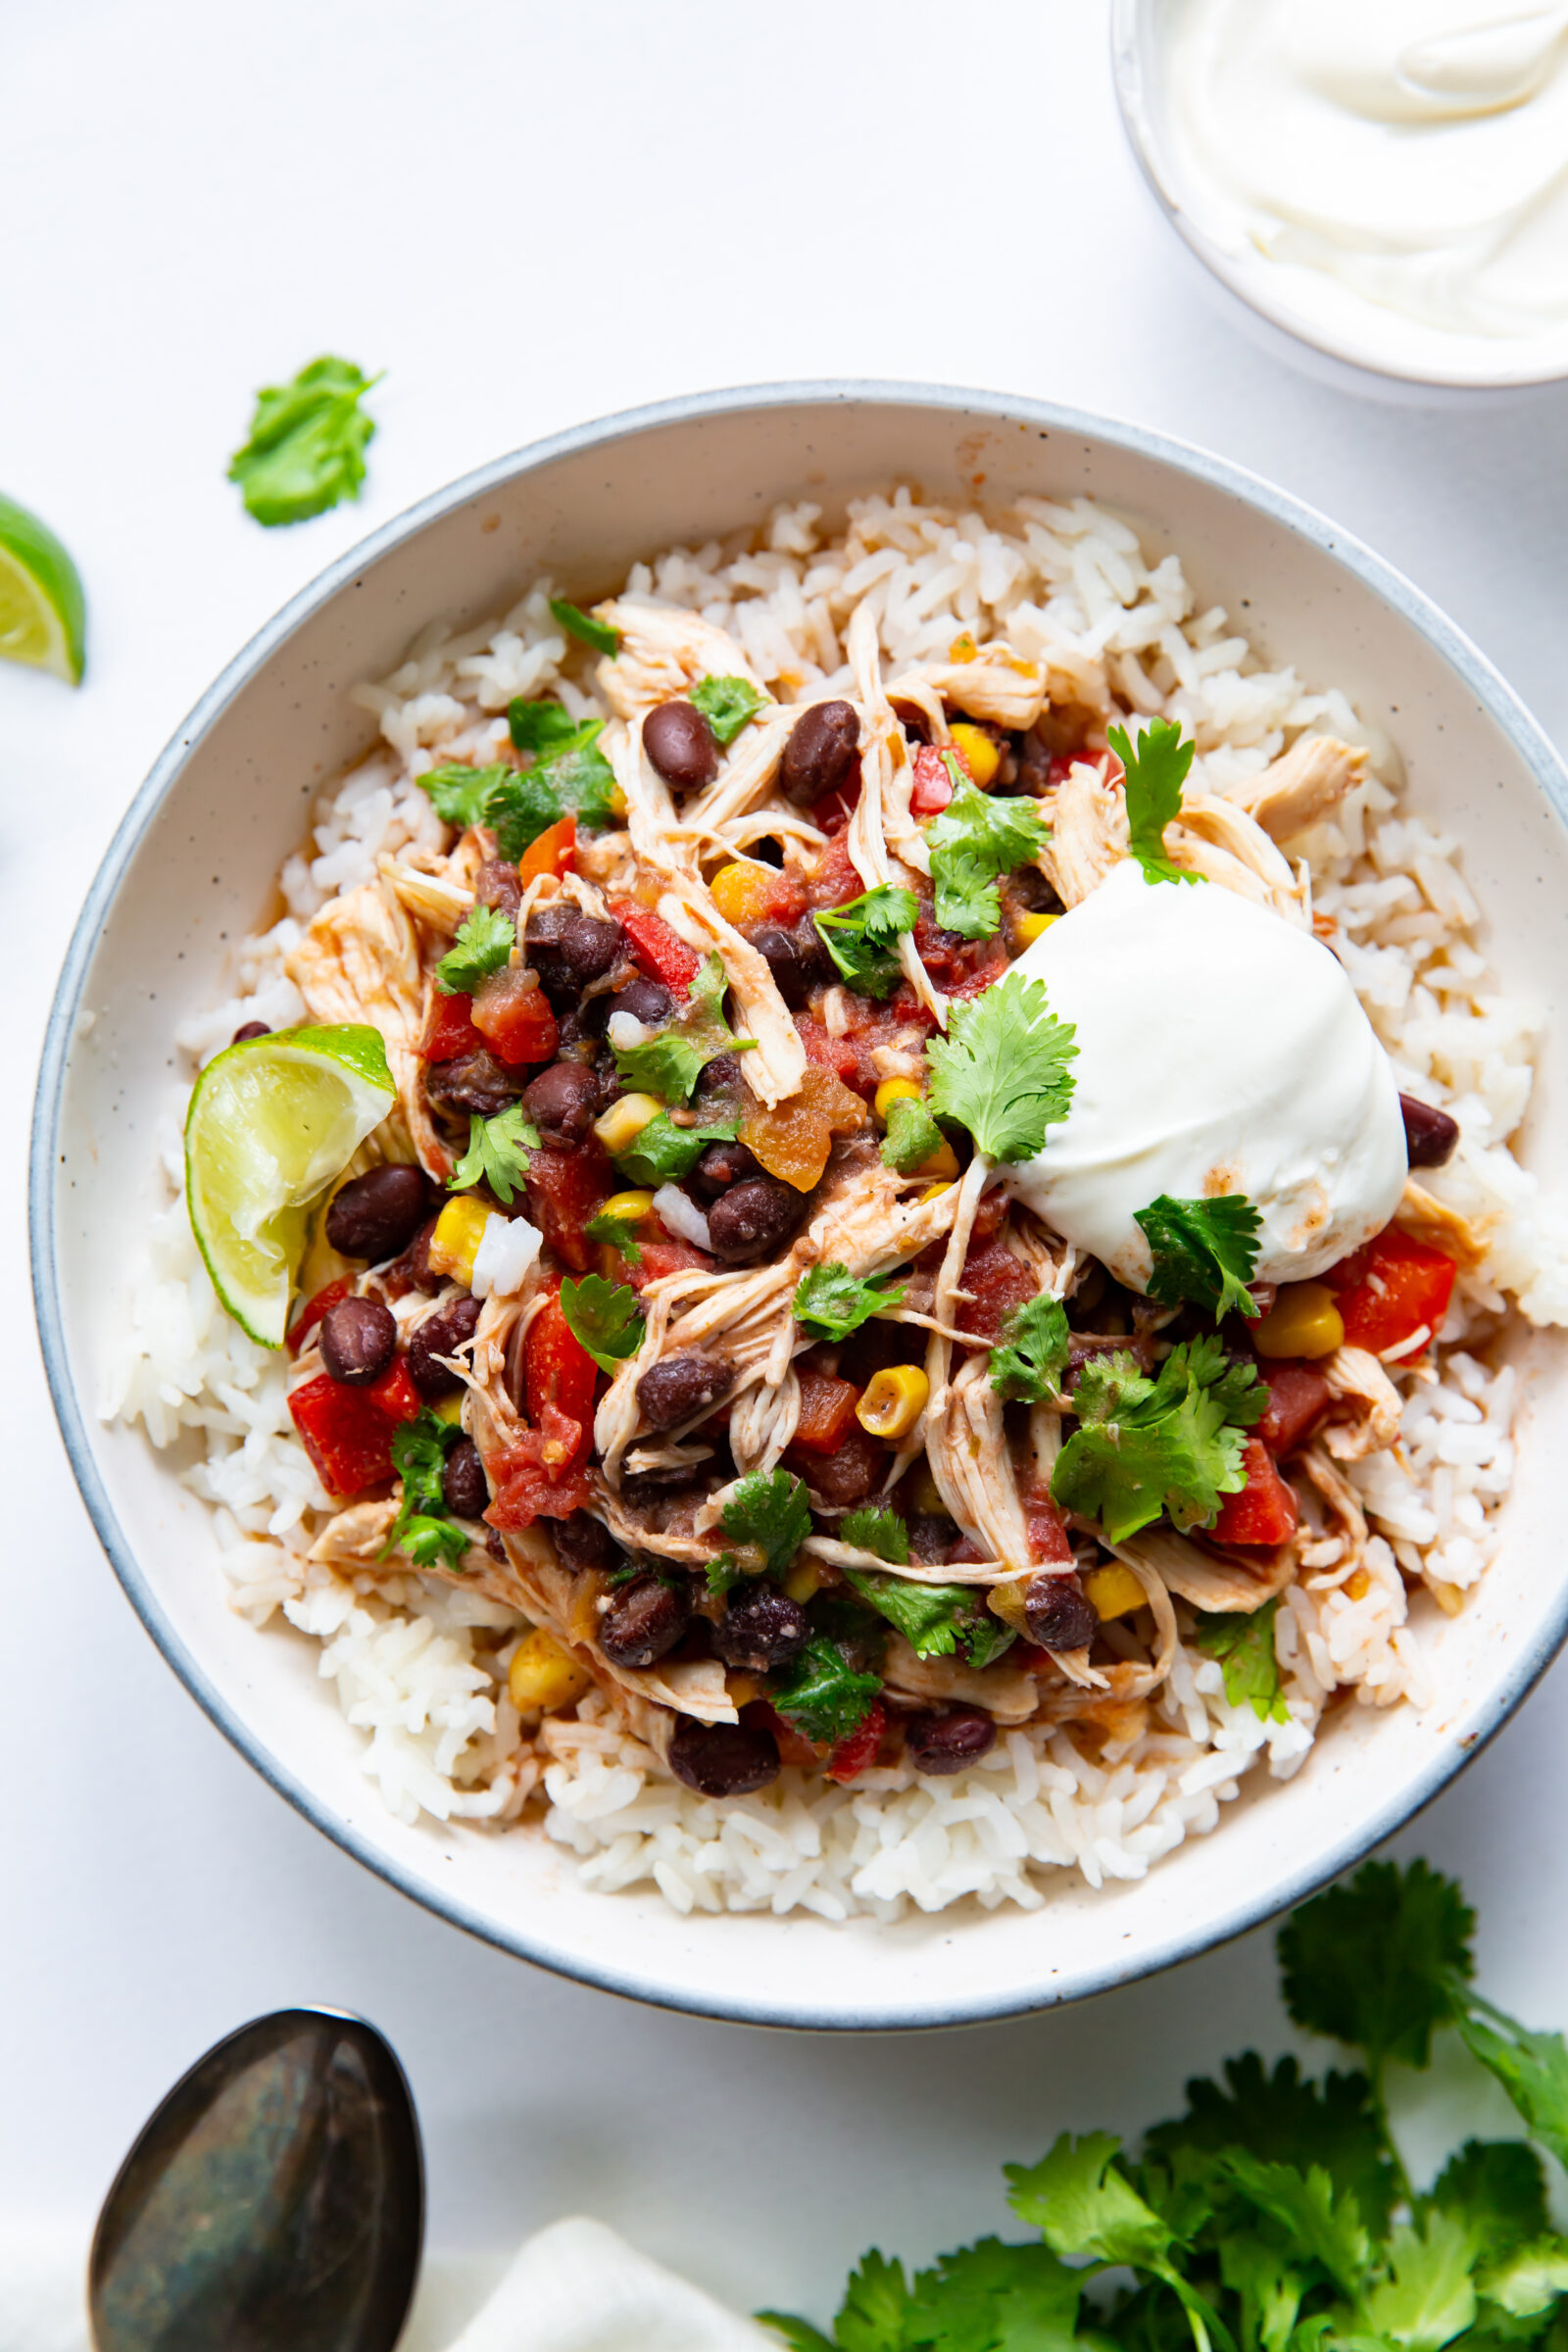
(1400, 166)
(1220, 1050)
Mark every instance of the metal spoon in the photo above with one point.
(276, 2199)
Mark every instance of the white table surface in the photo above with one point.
(531, 214)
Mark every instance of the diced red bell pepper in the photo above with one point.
(1387, 1290)
(452, 1032)
(312, 1310)
(995, 1282)
(513, 1017)
(1048, 1530)
(554, 851)
(348, 1432)
(663, 1257)
(663, 953)
(395, 1394)
(932, 788)
(1264, 1513)
(557, 1372)
(565, 1189)
(827, 1410)
(1298, 1396)
(857, 1748)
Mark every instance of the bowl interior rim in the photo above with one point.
(1162, 1951)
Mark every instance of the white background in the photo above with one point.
(529, 216)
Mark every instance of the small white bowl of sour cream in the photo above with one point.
(1387, 181)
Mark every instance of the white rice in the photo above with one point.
(419, 1665)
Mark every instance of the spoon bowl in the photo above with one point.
(275, 2197)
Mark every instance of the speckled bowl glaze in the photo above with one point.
(228, 801)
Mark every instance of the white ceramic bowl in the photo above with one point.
(191, 869)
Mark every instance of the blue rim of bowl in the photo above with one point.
(1492, 691)
(1131, 84)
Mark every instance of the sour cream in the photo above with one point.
(1395, 171)
(1220, 1050)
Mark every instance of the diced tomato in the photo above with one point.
(1048, 1530)
(452, 1032)
(312, 1310)
(554, 851)
(857, 1748)
(932, 788)
(961, 967)
(989, 1217)
(1387, 1290)
(565, 1189)
(831, 814)
(772, 896)
(1298, 1399)
(513, 1017)
(827, 1410)
(995, 1281)
(662, 952)
(346, 1432)
(793, 1745)
(1063, 762)
(829, 1053)
(525, 1490)
(663, 1257)
(559, 1372)
(395, 1394)
(1264, 1512)
(835, 880)
(986, 961)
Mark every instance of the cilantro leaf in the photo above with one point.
(936, 1620)
(459, 794)
(1378, 1963)
(1526, 2282)
(542, 727)
(496, 1154)
(830, 1303)
(430, 1541)
(1268, 2285)
(582, 626)
(1427, 2296)
(881, 1530)
(875, 2307)
(602, 1317)
(1327, 2228)
(1496, 2191)
(1171, 1445)
(619, 1232)
(1244, 1644)
(860, 936)
(1082, 2203)
(822, 1695)
(307, 444)
(670, 1063)
(1155, 774)
(726, 704)
(485, 942)
(974, 839)
(992, 2297)
(664, 1154)
(912, 1135)
(569, 774)
(1002, 1070)
(768, 1511)
(797, 2333)
(423, 1530)
(1203, 1250)
(1533, 2067)
(1281, 2119)
(1031, 1355)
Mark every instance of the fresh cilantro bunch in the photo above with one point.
(485, 942)
(830, 1304)
(1002, 1069)
(307, 444)
(726, 704)
(498, 1154)
(936, 1620)
(913, 1137)
(602, 1317)
(424, 1530)
(1203, 1252)
(670, 1064)
(975, 838)
(664, 1154)
(1031, 1356)
(770, 1518)
(1155, 773)
(859, 937)
(1173, 1444)
(1276, 2215)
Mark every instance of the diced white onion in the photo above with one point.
(681, 1217)
(626, 1030)
(508, 1248)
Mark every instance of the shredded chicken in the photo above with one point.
(1355, 1375)
(1301, 787)
(1198, 1577)
(997, 684)
(1004, 1690)
(359, 961)
(883, 814)
(1088, 834)
(1214, 838)
(1422, 1214)
(664, 651)
(775, 1065)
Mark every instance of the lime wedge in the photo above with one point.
(43, 614)
(272, 1122)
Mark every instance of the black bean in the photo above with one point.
(582, 1541)
(475, 1082)
(761, 1628)
(723, 1759)
(933, 1537)
(251, 1029)
(412, 1271)
(678, 1387)
(797, 959)
(647, 1000)
(377, 1215)
(644, 1621)
(1430, 1135)
(720, 1166)
(499, 884)
(1034, 759)
(441, 1334)
(465, 1489)
(569, 949)
(720, 1088)
(822, 752)
(679, 742)
(1061, 1613)
(562, 1103)
(754, 1217)
(943, 1743)
(357, 1340)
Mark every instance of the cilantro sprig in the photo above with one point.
(1155, 773)
(830, 1303)
(859, 937)
(1245, 1649)
(878, 1529)
(568, 772)
(769, 1515)
(822, 1695)
(726, 704)
(938, 1621)
(1031, 1356)
(424, 1530)
(1144, 1448)
(1002, 1070)
(619, 1234)
(483, 945)
(307, 443)
(975, 838)
(670, 1064)
(496, 1154)
(1203, 1252)
(602, 1317)
(664, 1154)
(913, 1137)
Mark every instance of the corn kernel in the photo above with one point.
(982, 755)
(450, 1409)
(1113, 1591)
(1303, 1321)
(543, 1676)
(743, 892)
(1359, 1585)
(623, 1122)
(742, 1689)
(616, 801)
(933, 1191)
(804, 1581)
(891, 1401)
(890, 1091)
(943, 1164)
(629, 1208)
(1006, 1602)
(455, 1243)
(1031, 927)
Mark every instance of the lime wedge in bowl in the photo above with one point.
(43, 613)
(272, 1122)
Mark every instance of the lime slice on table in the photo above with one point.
(272, 1122)
(43, 613)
